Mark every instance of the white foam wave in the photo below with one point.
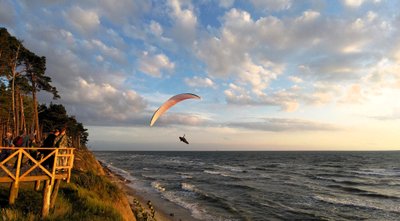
(195, 209)
(119, 171)
(231, 168)
(188, 187)
(378, 171)
(352, 201)
(156, 185)
(212, 172)
(185, 175)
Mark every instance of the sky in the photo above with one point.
(272, 74)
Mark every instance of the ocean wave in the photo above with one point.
(377, 172)
(121, 172)
(224, 174)
(348, 189)
(156, 185)
(196, 210)
(349, 181)
(212, 172)
(359, 203)
(188, 187)
(379, 195)
(185, 175)
(237, 169)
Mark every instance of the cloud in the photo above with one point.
(184, 21)
(226, 3)
(106, 51)
(200, 82)
(124, 11)
(353, 95)
(154, 64)
(156, 28)
(85, 21)
(357, 3)
(231, 54)
(103, 101)
(7, 12)
(284, 99)
(272, 5)
(353, 3)
(169, 119)
(295, 79)
(283, 125)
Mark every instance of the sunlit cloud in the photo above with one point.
(154, 65)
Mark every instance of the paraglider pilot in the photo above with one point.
(183, 139)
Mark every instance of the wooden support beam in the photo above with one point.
(13, 192)
(55, 193)
(37, 185)
(46, 198)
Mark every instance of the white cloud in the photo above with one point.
(272, 5)
(353, 3)
(154, 65)
(185, 21)
(156, 28)
(104, 101)
(200, 82)
(357, 3)
(295, 79)
(226, 3)
(170, 118)
(111, 52)
(85, 21)
(230, 54)
(124, 11)
(286, 100)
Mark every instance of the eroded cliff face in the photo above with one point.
(85, 161)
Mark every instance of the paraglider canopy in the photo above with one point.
(169, 103)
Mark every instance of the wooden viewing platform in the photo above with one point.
(23, 164)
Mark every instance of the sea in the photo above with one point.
(267, 185)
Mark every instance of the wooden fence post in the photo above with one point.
(55, 193)
(46, 198)
(37, 185)
(13, 192)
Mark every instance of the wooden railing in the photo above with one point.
(26, 164)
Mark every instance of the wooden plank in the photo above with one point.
(34, 178)
(8, 172)
(9, 157)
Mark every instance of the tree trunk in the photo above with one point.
(14, 74)
(16, 111)
(23, 121)
(35, 112)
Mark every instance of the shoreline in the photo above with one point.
(134, 199)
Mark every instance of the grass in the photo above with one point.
(87, 197)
